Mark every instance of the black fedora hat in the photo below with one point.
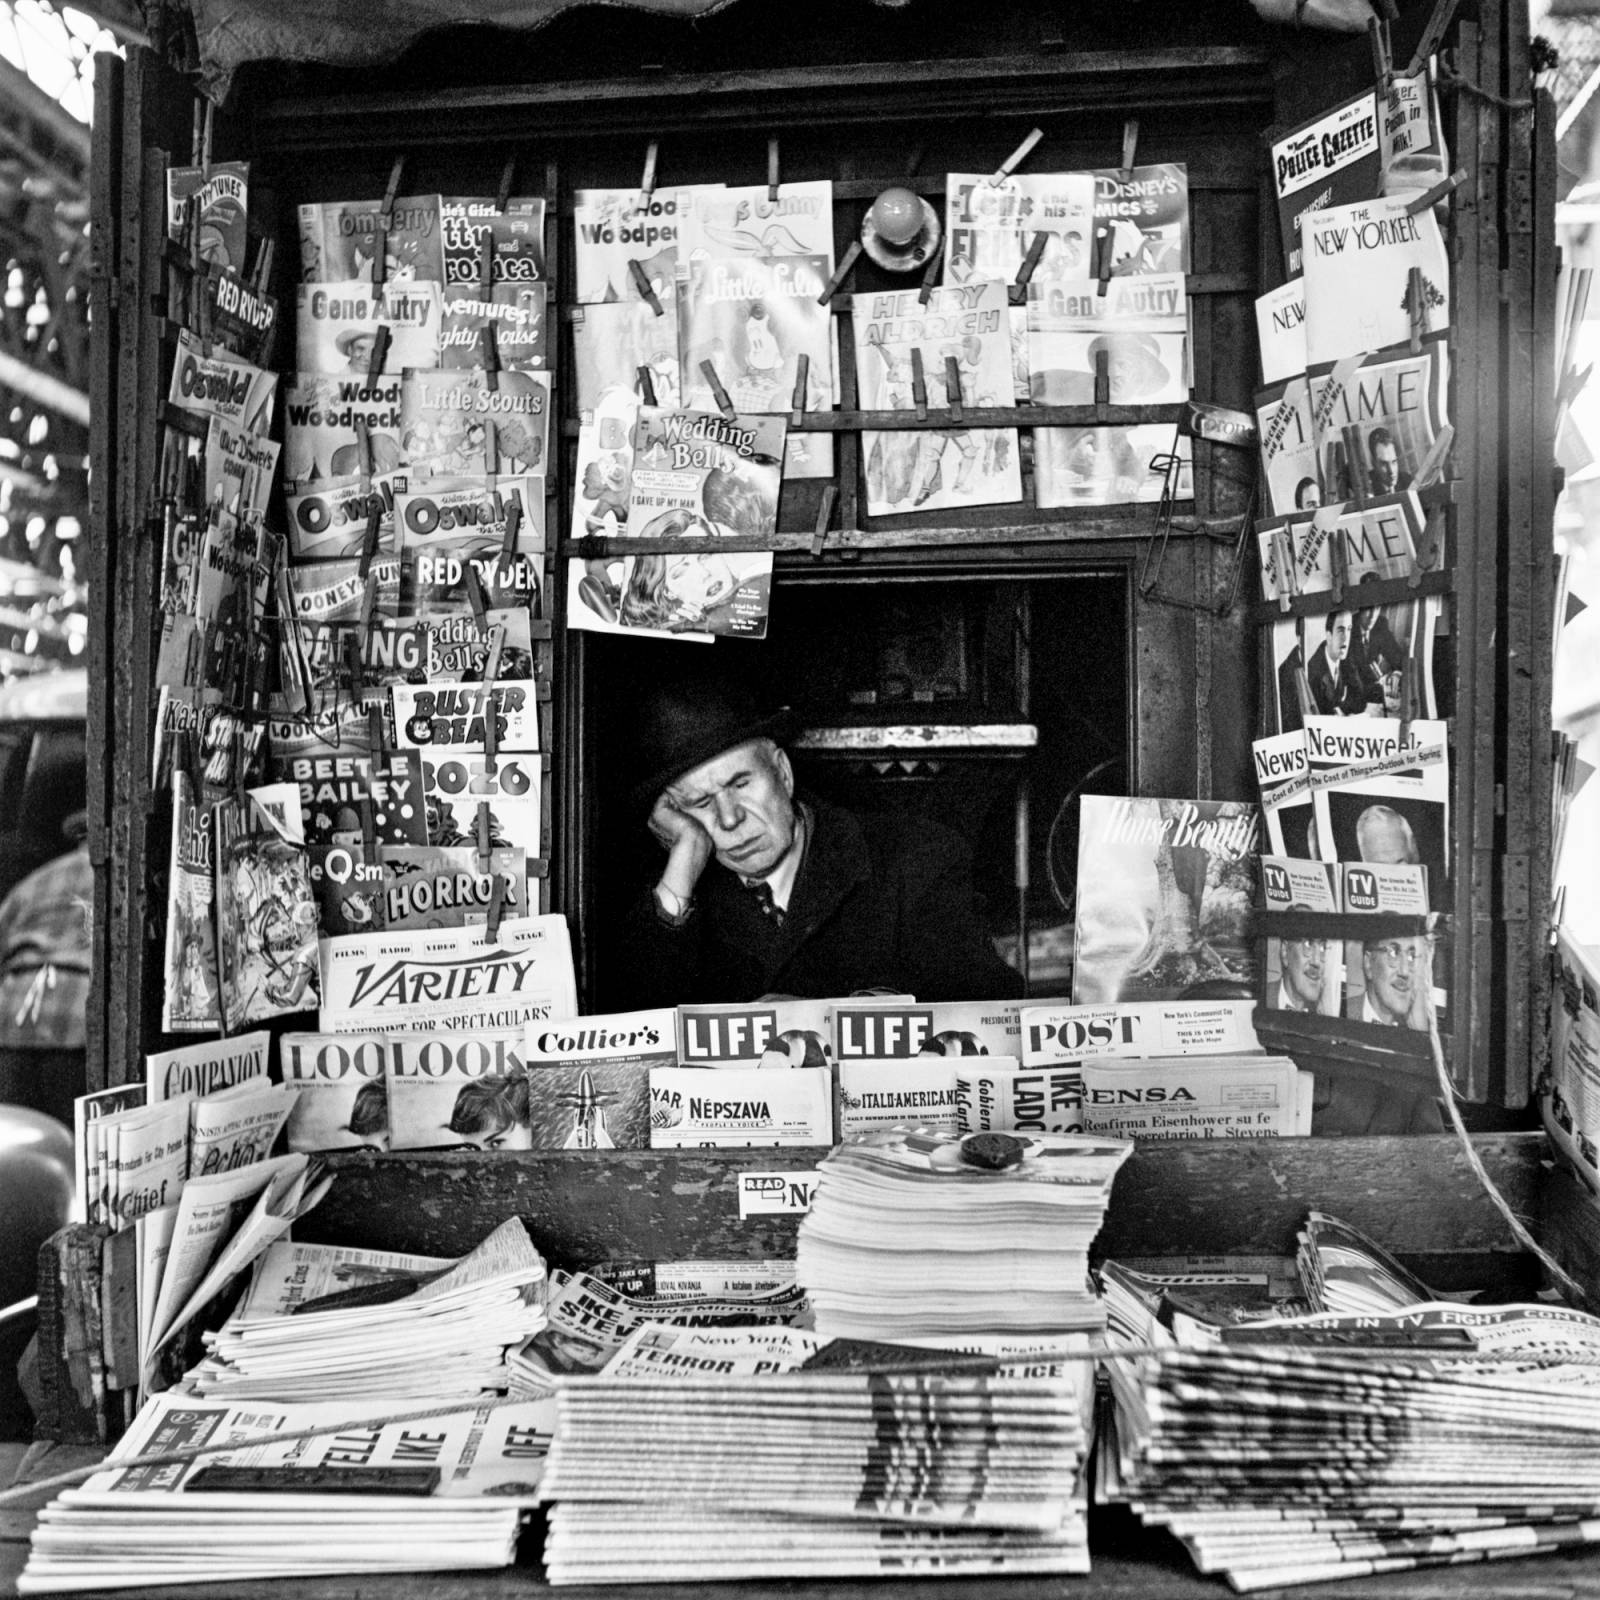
(683, 725)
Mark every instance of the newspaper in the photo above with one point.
(452, 1088)
(343, 1084)
(919, 1090)
(1001, 1094)
(198, 1069)
(1133, 1028)
(237, 1126)
(1220, 1097)
(449, 978)
(88, 1112)
(147, 1160)
(659, 1350)
(732, 1107)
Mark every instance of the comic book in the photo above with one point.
(458, 1089)
(428, 886)
(432, 716)
(446, 415)
(1358, 260)
(220, 385)
(1375, 417)
(611, 229)
(314, 593)
(589, 1078)
(320, 440)
(339, 241)
(507, 328)
(343, 1102)
(1140, 323)
(939, 468)
(1165, 890)
(244, 319)
(1119, 465)
(466, 794)
(746, 222)
(1145, 215)
(613, 340)
(339, 792)
(223, 190)
(336, 327)
(698, 474)
(515, 234)
(989, 227)
(1303, 973)
(1281, 331)
(448, 525)
(458, 646)
(1283, 778)
(1289, 465)
(238, 471)
(190, 999)
(329, 517)
(266, 913)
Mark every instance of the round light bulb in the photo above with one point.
(897, 216)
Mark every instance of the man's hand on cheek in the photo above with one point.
(686, 842)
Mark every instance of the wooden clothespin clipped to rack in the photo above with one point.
(1016, 158)
(1430, 552)
(708, 371)
(507, 558)
(647, 290)
(1101, 260)
(930, 277)
(919, 384)
(802, 384)
(1355, 464)
(1030, 265)
(1283, 567)
(772, 169)
(1430, 470)
(1416, 307)
(497, 908)
(1338, 561)
(364, 458)
(377, 732)
(380, 354)
(369, 827)
(241, 763)
(491, 342)
(647, 180)
(473, 584)
(819, 536)
(380, 245)
(1382, 56)
(354, 668)
(952, 388)
(508, 178)
(1433, 32)
(846, 262)
(1130, 149)
(647, 386)
(485, 834)
(1102, 385)
(1429, 198)
(491, 454)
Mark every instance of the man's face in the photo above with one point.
(744, 799)
(360, 350)
(1392, 971)
(1385, 841)
(1338, 637)
(1304, 963)
(1385, 467)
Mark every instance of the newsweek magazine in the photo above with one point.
(1140, 324)
(338, 793)
(989, 227)
(450, 524)
(733, 1107)
(449, 978)
(343, 1081)
(611, 228)
(1165, 889)
(1303, 972)
(320, 440)
(891, 1092)
(198, 1069)
(1289, 463)
(1281, 331)
(1115, 465)
(191, 1001)
(613, 340)
(438, 715)
(336, 327)
(1219, 1097)
(518, 315)
(1358, 260)
(935, 470)
(1378, 414)
(1125, 1029)
(772, 1033)
(1378, 799)
(223, 191)
(451, 1089)
(446, 415)
(589, 1078)
(466, 794)
(344, 241)
(698, 474)
(1283, 776)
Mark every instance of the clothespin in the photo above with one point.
(240, 764)
(369, 828)
(353, 664)
(484, 835)
(1431, 468)
(369, 604)
(205, 140)
(846, 261)
(377, 733)
(380, 353)
(930, 276)
(919, 383)
(196, 136)
(647, 290)
(1433, 32)
(1338, 560)
(1416, 308)
(364, 453)
(819, 536)
(1382, 60)
(1431, 552)
(508, 177)
(952, 387)
(1130, 147)
(802, 383)
(369, 540)
(1102, 260)
(1030, 263)
(1429, 198)
(1355, 464)
(261, 274)
(491, 342)
(725, 405)
(1016, 158)
(491, 451)
(1102, 384)
(772, 169)
(491, 657)
(380, 257)
(473, 584)
(1282, 567)
(508, 545)
(497, 904)
(491, 731)
(647, 182)
(647, 386)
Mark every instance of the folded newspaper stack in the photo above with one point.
(363, 1496)
(913, 1234)
(687, 1461)
(321, 1322)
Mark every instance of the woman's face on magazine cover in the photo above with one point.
(696, 583)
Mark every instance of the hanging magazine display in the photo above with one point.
(336, 327)
(357, 240)
(989, 226)
(446, 416)
(1140, 325)
(1143, 215)
(1303, 972)
(1281, 331)
(1109, 466)
(1283, 778)
(1378, 540)
(450, 526)
(1289, 468)
(222, 194)
(612, 340)
(615, 228)
(1165, 890)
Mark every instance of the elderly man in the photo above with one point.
(1385, 838)
(766, 893)
(1395, 982)
(1303, 967)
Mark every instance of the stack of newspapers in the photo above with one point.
(439, 1492)
(706, 1469)
(915, 1235)
(322, 1322)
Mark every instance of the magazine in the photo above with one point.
(1116, 465)
(888, 1093)
(329, 518)
(198, 1069)
(515, 233)
(884, 1029)
(699, 475)
(612, 341)
(449, 978)
(589, 1078)
(1291, 690)
(731, 1107)
(319, 592)
(1376, 418)
(237, 1126)
(238, 472)
(1145, 214)
(990, 227)
(774, 1033)
(1358, 261)
(243, 318)
(449, 524)
(511, 326)
(1281, 332)
(1378, 799)
(1165, 889)
(414, 886)
(343, 1083)
(937, 468)
(1396, 980)
(223, 190)
(1358, 660)
(1289, 464)
(1221, 1097)
(611, 229)
(320, 439)
(337, 794)
(458, 1089)
(458, 646)
(455, 715)
(747, 222)
(220, 385)
(339, 241)
(1370, 887)
(1131, 1028)
(1569, 1103)
(1304, 972)
(1001, 1095)
(466, 795)
(446, 415)
(190, 997)
(1141, 324)
(1379, 540)
(1283, 776)
(336, 327)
